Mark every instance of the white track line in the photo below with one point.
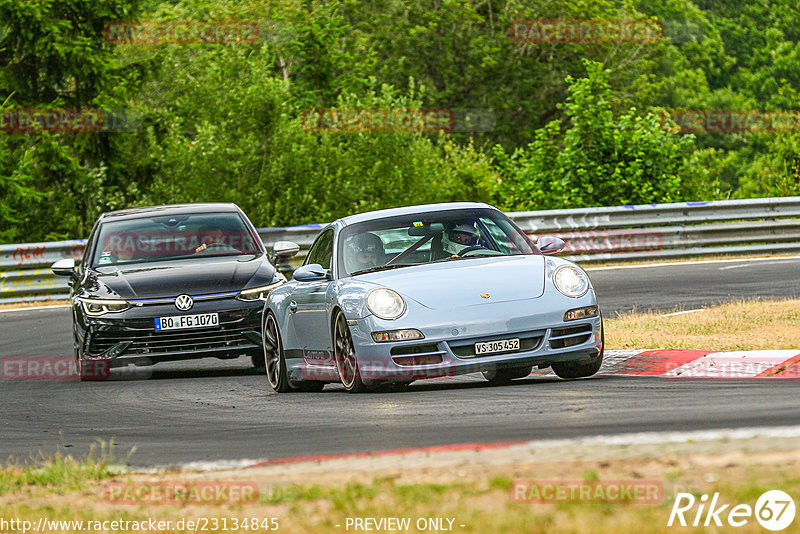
(678, 263)
(776, 262)
(683, 312)
(648, 438)
(36, 308)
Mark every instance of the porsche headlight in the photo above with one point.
(385, 303)
(571, 281)
(96, 307)
(257, 293)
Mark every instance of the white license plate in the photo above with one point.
(179, 322)
(501, 345)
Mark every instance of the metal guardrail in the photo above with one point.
(622, 233)
(681, 229)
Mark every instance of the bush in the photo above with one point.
(597, 159)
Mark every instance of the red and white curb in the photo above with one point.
(700, 363)
(625, 440)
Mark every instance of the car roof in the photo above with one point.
(172, 209)
(409, 210)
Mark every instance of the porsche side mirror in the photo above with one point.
(65, 267)
(284, 249)
(550, 245)
(313, 272)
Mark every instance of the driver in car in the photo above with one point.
(212, 238)
(367, 251)
(459, 238)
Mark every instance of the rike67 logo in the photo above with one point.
(774, 510)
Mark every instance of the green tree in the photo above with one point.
(53, 56)
(595, 158)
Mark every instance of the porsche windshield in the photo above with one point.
(168, 237)
(429, 237)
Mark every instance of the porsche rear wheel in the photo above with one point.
(345, 354)
(503, 376)
(274, 362)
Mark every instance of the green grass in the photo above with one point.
(58, 472)
(738, 325)
(482, 505)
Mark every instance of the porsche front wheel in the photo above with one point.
(569, 370)
(345, 354)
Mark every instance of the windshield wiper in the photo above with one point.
(383, 268)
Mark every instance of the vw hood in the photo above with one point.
(168, 279)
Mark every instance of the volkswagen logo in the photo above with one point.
(183, 302)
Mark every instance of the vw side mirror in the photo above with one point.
(284, 249)
(65, 267)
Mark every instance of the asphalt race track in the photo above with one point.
(215, 410)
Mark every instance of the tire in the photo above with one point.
(275, 362)
(569, 370)
(345, 355)
(504, 376)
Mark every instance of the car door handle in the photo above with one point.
(293, 306)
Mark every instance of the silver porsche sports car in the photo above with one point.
(393, 296)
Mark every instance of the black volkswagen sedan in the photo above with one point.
(170, 283)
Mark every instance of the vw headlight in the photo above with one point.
(257, 293)
(385, 303)
(571, 281)
(96, 307)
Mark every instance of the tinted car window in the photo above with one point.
(322, 250)
(170, 237)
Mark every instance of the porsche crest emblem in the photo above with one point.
(485, 295)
